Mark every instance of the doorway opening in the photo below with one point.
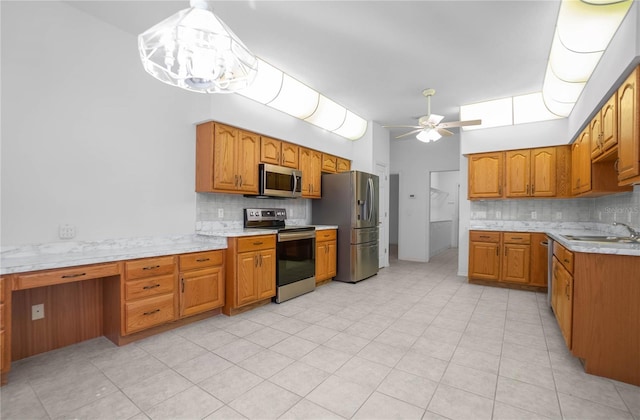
(443, 211)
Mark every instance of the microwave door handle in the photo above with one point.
(295, 184)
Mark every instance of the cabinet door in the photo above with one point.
(201, 290)
(595, 128)
(270, 150)
(543, 172)
(609, 117)
(628, 141)
(484, 260)
(225, 176)
(539, 259)
(310, 165)
(289, 155)
(516, 263)
(247, 163)
(321, 261)
(266, 274)
(517, 170)
(247, 291)
(316, 173)
(332, 255)
(343, 165)
(329, 163)
(485, 175)
(581, 163)
(565, 300)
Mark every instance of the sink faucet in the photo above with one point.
(634, 233)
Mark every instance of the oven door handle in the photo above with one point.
(294, 236)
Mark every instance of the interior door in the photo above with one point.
(383, 215)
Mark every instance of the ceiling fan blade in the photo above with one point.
(444, 132)
(435, 119)
(459, 123)
(402, 126)
(409, 133)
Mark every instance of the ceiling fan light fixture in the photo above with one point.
(195, 50)
(428, 136)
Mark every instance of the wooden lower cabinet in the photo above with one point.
(326, 255)
(250, 278)
(201, 282)
(506, 258)
(5, 328)
(562, 290)
(150, 298)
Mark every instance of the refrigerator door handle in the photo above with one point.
(372, 198)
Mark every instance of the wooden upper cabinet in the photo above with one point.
(329, 163)
(226, 159)
(517, 163)
(278, 152)
(343, 165)
(581, 163)
(530, 173)
(543, 172)
(595, 134)
(628, 130)
(310, 165)
(485, 175)
(609, 120)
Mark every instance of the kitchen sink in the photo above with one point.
(601, 238)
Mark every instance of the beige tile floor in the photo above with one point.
(416, 341)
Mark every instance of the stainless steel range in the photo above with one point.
(295, 252)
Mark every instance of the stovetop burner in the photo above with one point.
(270, 219)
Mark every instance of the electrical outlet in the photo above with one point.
(599, 215)
(534, 215)
(558, 215)
(498, 214)
(37, 312)
(220, 213)
(66, 231)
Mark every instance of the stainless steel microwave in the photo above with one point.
(278, 181)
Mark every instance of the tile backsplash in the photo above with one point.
(232, 205)
(624, 207)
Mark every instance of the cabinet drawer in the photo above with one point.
(482, 236)
(146, 313)
(516, 238)
(255, 243)
(149, 267)
(201, 260)
(153, 286)
(564, 256)
(326, 235)
(66, 275)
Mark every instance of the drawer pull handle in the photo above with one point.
(516, 237)
(151, 312)
(151, 267)
(258, 243)
(70, 276)
(151, 287)
(202, 259)
(485, 236)
(566, 260)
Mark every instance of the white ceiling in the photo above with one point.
(376, 57)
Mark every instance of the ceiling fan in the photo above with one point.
(429, 127)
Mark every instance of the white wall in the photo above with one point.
(89, 139)
(413, 161)
(621, 56)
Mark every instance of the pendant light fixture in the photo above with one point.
(194, 50)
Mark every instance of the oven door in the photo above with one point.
(296, 257)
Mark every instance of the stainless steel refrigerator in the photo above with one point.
(350, 201)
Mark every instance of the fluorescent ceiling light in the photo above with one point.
(328, 115)
(530, 108)
(266, 85)
(196, 51)
(493, 113)
(353, 127)
(295, 98)
(569, 65)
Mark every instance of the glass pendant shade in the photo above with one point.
(195, 50)
(427, 136)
